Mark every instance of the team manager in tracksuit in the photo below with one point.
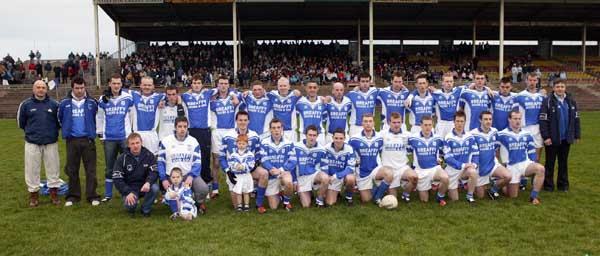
(135, 175)
(559, 127)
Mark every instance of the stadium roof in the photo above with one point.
(199, 20)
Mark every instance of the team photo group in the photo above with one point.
(324, 148)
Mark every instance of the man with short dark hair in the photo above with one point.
(559, 126)
(135, 176)
(77, 115)
(37, 116)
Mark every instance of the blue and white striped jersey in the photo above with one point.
(460, 149)
(311, 113)
(426, 151)
(362, 102)
(501, 107)
(284, 109)
(486, 142)
(113, 120)
(309, 160)
(337, 114)
(260, 113)
(277, 155)
(230, 146)
(341, 163)
(182, 154)
(146, 118)
(529, 105)
(196, 107)
(516, 147)
(473, 102)
(367, 151)
(246, 159)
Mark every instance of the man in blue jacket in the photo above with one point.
(37, 117)
(77, 116)
(135, 175)
(559, 127)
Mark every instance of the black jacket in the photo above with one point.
(549, 120)
(39, 120)
(130, 175)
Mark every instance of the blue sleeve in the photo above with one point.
(290, 163)
(474, 152)
(197, 162)
(22, 116)
(250, 161)
(162, 165)
(449, 157)
(60, 114)
(350, 166)
(265, 158)
(462, 100)
(324, 163)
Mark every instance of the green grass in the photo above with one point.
(564, 224)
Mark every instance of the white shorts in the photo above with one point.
(149, 140)
(443, 127)
(217, 139)
(484, 180)
(306, 183)
(291, 135)
(386, 127)
(336, 184)
(453, 177)
(320, 139)
(397, 179)
(244, 184)
(366, 183)
(415, 129)
(273, 187)
(426, 177)
(518, 170)
(535, 132)
(329, 139)
(355, 130)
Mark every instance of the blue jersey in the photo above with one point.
(196, 107)
(367, 150)
(223, 111)
(337, 114)
(501, 107)
(460, 150)
(486, 142)
(362, 102)
(113, 120)
(473, 102)
(529, 105)
(284, 109)
(446, 103)
(259, 112)
(391, 102)
(311, 113)
(342, 162)
(420, 107)
(246, 159)
(309, 160)
(426, 151)
(229, 143)
(277, 155)
(516, 147)
(146, 118)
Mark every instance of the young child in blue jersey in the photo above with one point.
(241, 163)
(179, 197)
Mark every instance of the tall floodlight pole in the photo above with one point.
(117, 24)
(359, 43)
(371, 40)
(474, 50)
(501, 46)
(97, 35)
(583, 50)
(235, 42)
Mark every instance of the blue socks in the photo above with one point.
(380, 191)
(534, 194)
(215, 186)
(108, 184)
(173, 206)
(348, 195)
(286, 199)
(260, 196)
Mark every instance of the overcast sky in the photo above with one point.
(54, 27)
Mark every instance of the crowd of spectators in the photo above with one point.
(17, 71)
